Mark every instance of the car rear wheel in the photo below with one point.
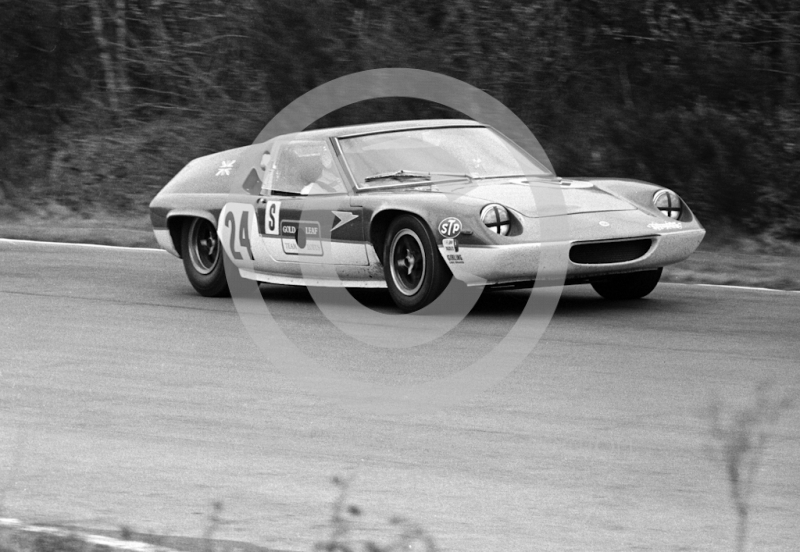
(634, 285)
(414, 270)
(202, 258)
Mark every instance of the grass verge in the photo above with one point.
(730, 259)
(54, 222)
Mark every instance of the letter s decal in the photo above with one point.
(272, 218)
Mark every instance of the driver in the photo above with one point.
(327, 181)
(305, 168)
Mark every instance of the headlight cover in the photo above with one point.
(496, 219)
(668, 203)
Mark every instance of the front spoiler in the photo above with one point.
(512, 263)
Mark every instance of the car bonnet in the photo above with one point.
(518, 196)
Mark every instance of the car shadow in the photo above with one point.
(574, 301)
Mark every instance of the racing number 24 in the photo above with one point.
(244, 235)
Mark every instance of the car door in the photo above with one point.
(305, 215)
(323, 229)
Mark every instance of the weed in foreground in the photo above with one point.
(741, 436)
(125, 533)
(410, 536)
(213, 522)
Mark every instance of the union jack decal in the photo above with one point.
(225, 168)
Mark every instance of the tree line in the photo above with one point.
(104, 100)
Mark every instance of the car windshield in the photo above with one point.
(403, 157)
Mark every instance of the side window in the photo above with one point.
(301, 167)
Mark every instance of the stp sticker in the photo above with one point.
(455, 259)
(301, 238)
(450, 227)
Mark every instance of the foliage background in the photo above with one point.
(104, 100)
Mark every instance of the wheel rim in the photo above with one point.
(203, 246)
(407, 258)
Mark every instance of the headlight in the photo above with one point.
(669, 204)
(496, 218)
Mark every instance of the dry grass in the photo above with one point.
(57, 223)
(731, 259)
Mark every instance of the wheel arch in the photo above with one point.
(411, 293)
(380, 222)
(175, 224)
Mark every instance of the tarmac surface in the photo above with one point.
(128, 400)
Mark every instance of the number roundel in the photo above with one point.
(242, 236)
(230, 222)
(450, 227)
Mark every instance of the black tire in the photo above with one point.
(634, 285)
(414, 270)
(202, 258)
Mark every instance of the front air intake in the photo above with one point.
(609, 251)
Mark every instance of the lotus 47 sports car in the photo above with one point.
(408, 206)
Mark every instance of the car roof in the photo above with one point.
(338, 132)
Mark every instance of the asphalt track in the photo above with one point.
(126, 399)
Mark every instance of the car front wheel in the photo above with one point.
(634, 285)
(414, 270)
(202, 258)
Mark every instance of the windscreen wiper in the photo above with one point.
(398, 175)
(403, 174)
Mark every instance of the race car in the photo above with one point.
(408, 206)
